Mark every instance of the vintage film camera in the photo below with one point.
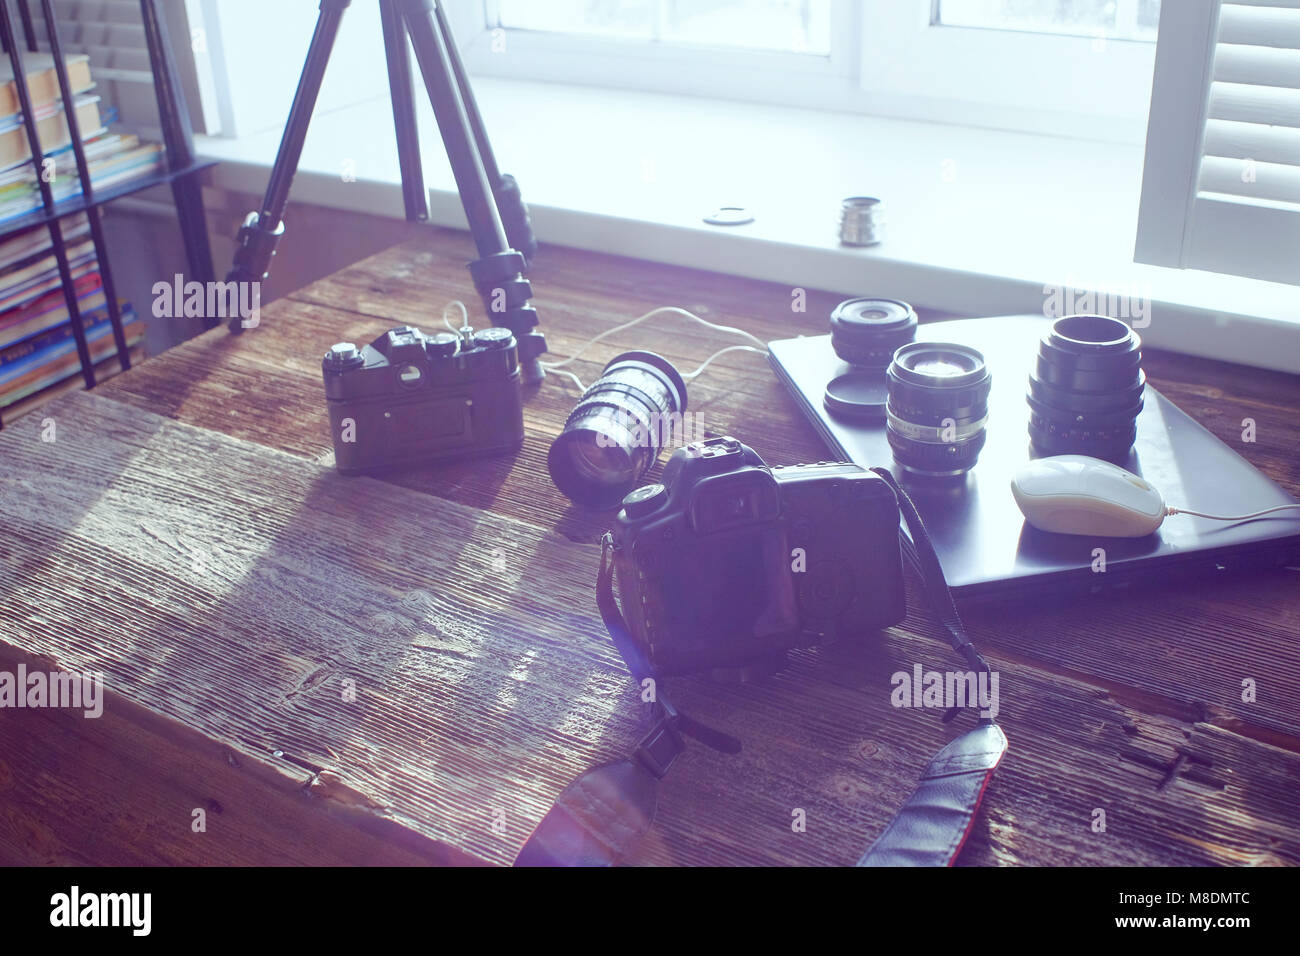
(407, 397)
(728, 563)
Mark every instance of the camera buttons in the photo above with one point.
(343, 355)
(644, 500)
(442, 344)
(493, 337)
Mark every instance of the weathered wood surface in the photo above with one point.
(228, 583)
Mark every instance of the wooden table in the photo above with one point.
(409, 670)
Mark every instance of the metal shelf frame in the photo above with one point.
(181, 168)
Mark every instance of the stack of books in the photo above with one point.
(37, 347)
(113, 159)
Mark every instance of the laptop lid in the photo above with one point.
(986, 547)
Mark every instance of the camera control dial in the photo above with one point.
(645, 500)
(441, 344)
(493, 337)
(343, 355)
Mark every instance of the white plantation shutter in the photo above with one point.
(1221, 183)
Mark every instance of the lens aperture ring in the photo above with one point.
(932, 458)
(944, 433)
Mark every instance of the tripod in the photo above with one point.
(498, 219)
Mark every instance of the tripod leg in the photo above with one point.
(462, 151)
(498, 272)
(261, 231)
(399, 88)
(510, 203)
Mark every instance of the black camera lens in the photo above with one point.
(1085, 392)
(937, 408)
(867, 332)
(613, 435)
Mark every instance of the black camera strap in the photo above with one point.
(607, 809)
(932, 825)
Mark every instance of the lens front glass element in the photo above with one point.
(597, 463)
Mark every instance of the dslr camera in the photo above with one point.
(407, 397)
(729, 563)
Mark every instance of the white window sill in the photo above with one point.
(978, 221)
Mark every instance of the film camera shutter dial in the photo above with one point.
(442, 344)
(493, 337)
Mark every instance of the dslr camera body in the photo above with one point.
(729, 563)
(407, 397)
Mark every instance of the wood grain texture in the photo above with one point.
(230, 588)
(124, 789)
(186, 535)
(1160, 642)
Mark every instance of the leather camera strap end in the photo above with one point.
(931, 827)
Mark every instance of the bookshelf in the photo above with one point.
(179, 168)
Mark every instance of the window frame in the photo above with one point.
(912, 76)
(683, 68)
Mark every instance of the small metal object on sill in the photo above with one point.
(729, 216)
(861, 221)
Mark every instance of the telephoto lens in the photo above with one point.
(1085, 393)
(937, 408)
(614, 434)
(867, 332)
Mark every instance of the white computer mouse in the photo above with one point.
(1075, 494)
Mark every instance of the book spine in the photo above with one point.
(29, 364)
(53, 336)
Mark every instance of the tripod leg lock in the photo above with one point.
(255, 247)
(503, 288)
(514, 216)
(505, 292)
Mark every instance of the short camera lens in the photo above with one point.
(937, 408)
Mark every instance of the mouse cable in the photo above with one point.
(1257, 514)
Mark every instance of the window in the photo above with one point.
(1221, 184)
(1034, 65)
(792, 26)
(1116, 19)
(1068, 67)
(797, 52)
